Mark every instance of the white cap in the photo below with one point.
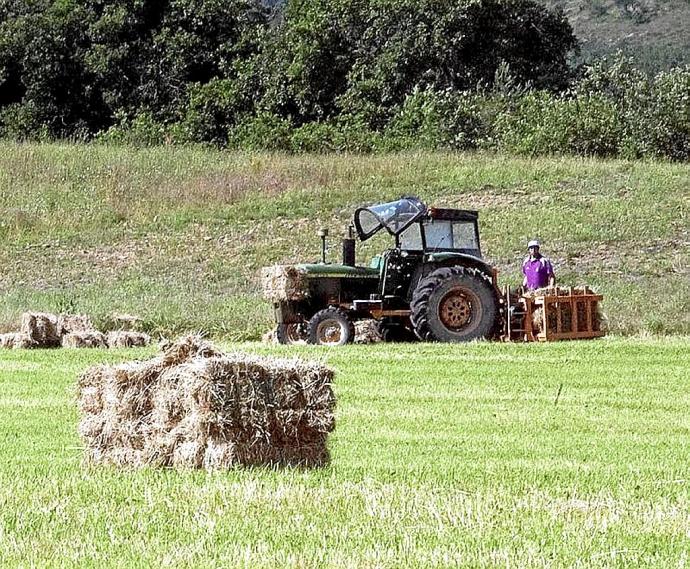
(533, 243)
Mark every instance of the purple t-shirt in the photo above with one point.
(537, 272)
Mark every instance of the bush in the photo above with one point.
(265, 131)
(142, 130)
(430, 120)
(654, 113)
(542, 123)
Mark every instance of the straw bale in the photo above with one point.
(194, 407)
(70, 323)
(558, 291)
(41, 328)
(90, 339)
(16, 341)
(366, 332)
(284, 283)
(127, 322)
(270, 337)
(127, 339)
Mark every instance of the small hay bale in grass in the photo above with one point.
(284, 283)
(15, 341)
(270, 337)
(366, 332)
(93, 339)
(127, 339)
(127, 322)
(41, 328)
(70, 323)
(194, 407)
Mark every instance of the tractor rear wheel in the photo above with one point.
(331, 327)
(454, 304)
(292, 333)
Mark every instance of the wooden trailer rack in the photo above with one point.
(558, 314)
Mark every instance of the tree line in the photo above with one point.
(327, 75)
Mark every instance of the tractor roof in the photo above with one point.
(397, 216)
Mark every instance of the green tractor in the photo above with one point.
(432, 285)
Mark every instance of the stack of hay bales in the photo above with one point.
(45, 330)
(282, 283)
(84, 339)
(194, 407)
(77, 331)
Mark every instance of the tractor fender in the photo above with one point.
(435, 261)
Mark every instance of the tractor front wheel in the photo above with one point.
(331, 327)
(293, 333)
(454, 304)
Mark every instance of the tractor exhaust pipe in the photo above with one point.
(349, 249)
(323, 233)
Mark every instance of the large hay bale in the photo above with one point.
(15, 341)
(127, 339)
(284, 283)
(41, 328)
(92, 339)
(195, 407)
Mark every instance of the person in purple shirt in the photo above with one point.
(537, 269)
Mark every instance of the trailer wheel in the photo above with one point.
(454, 304)
(331, 327)
(294, 333)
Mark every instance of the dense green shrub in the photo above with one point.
(263, 131)
(142, 130)
(429, 119)
(541, 123)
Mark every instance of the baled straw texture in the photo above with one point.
(284, 283)
(15, 340)
(194, 407)
(269, 337)
(127, 339)
(41, 328)
(558, 291)
(366, 332)
(70, 323)
(92, 339)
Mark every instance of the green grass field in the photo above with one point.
(443, 455)
(177, 235)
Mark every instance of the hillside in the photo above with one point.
(655, 32)
(177, 235)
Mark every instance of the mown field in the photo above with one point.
(176, 235)
(443, 455)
